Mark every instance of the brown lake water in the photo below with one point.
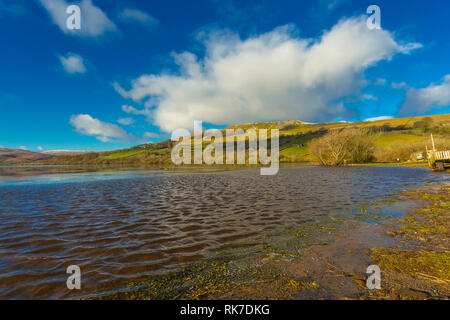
(121, 226)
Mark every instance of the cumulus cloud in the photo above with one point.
(272, 76)
(419, 101)
(103, 131)
(94, 22)
(72, 63)
(23, 148)
(39, 148)
(378, 118)
(139, 16)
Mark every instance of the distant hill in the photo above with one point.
(64, 152)
(15, 156)
(395, 139)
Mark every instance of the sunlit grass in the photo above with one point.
(124, 154)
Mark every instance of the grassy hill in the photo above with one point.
(14, 156)
(394, 138)
(148, 154)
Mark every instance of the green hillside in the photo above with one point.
(394, 138)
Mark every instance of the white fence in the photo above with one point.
(442, 155)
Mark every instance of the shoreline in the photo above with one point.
(213, 166)
(327, 259)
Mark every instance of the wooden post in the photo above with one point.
(428, 156)
(432, 141)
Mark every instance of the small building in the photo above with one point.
(418, 156)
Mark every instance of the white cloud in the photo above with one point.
(126, 121)
(378, 118)
(369, 97)
(133, 110)
(94, 22)
(23, 148)
(421, 100)
(135, 15)
(273, 76)
(151, 135)
(103, 131)
(399, 85)
(39, 148)
(331, 4)
(72, 63)
(380, 82)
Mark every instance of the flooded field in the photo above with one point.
(122, 226)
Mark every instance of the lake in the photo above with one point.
(123, 225)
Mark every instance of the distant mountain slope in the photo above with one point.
(14, 156)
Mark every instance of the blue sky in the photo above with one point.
(139, 69)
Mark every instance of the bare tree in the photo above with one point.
(340, 146)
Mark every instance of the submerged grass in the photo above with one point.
(419, 267)
(247, 273)
(371, 211)
(423, 250)
(214, 278)
(416, 263)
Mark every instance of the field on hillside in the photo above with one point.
(395, 139)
